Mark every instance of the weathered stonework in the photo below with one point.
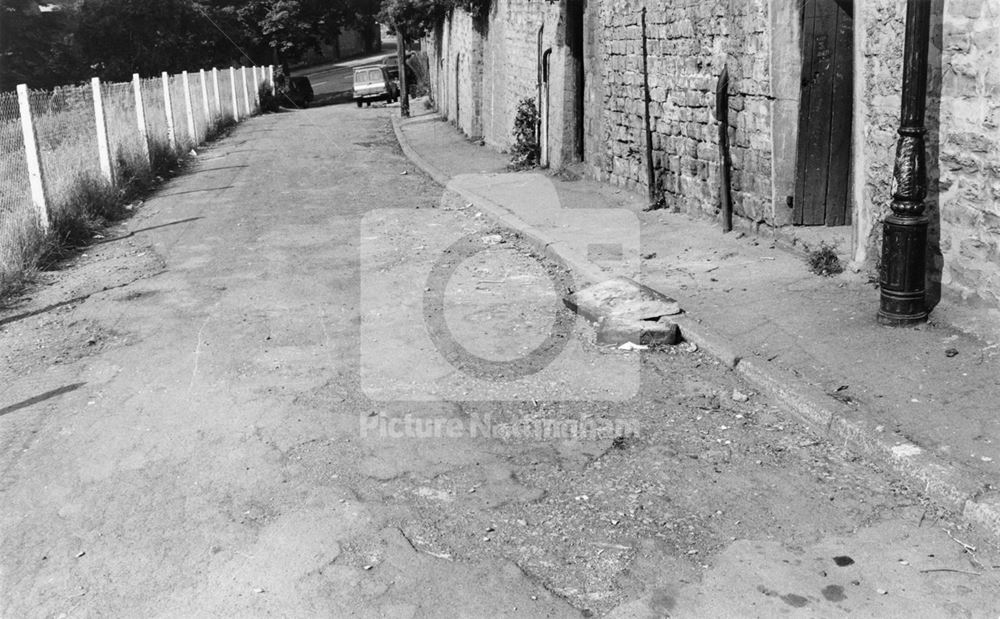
(497, 66)
(688, 45)
(963, 141)
(481, 71)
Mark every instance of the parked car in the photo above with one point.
(391, 65)
(372, 83)
(300, 91)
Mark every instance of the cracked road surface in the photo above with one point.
(232, 407)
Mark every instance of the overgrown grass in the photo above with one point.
(82, 203)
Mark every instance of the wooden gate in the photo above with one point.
(822, 193)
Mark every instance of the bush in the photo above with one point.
(268, 102)
(824, 260)
(525, 151)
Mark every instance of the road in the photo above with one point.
(251, 400)
(333, 83)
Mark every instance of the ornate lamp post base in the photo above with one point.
(904, 242)
(904, 231)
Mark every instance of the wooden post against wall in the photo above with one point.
(650, 175)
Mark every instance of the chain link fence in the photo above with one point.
(67, 142)
(124, 140)
(155, 111)
(69, 159)
(18, 226)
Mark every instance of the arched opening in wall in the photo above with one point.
(543, 109)
(823, 159)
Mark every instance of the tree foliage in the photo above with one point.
(413, 18)
(114, 38)
(35, 47)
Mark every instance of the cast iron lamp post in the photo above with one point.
(904, 231)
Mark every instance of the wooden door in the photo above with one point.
(823, 168)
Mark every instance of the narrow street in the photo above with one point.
(238, 403)
(333, 83)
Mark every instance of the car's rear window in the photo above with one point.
(370, 75)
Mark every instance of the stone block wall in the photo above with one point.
(498, 65)
(969, 149)
(687, 47)
(963, 140)
(759, 41)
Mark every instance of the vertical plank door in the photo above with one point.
(822, 194)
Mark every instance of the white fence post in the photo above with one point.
(188, 109)
(246, 93)
(171, 136)
(103, 148)
(270, 71)
(232, 86)
(35, 178)
(215, 91)
(140, 116)
(204, 101)
(256, 89)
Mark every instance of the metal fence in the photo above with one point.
(52, 143)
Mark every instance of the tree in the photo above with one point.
(35, 47)
(116, 38)
(411, 19)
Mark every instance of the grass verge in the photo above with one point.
(87, 205)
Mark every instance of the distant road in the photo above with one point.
(332, 83)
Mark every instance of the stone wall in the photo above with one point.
(969, 160)
(963, 140)
(687, 47)
(498, 65)
(759, 41)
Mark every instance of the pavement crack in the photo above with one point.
(198, 345)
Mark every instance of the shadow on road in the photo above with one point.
(40, 398)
